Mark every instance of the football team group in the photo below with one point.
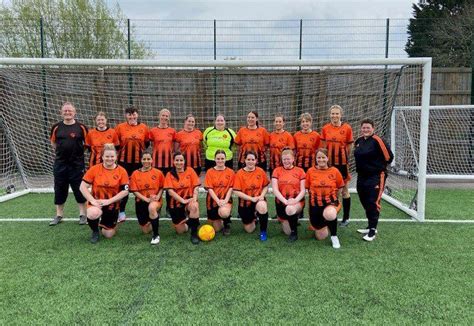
(150, 161)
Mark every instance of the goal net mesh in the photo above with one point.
(31, 97)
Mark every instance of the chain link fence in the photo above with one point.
(207, 39)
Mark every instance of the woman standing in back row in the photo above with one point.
(306, 142)
(253, 138)
(337, 137)
(97, 137)
(188, 141)
(279, 139)
(219, 137)
(372, 155)
(133, 137)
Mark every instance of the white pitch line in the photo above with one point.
(389, 220)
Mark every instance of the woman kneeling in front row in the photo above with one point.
(251, 186)
(109, 184)
(324, 184)
(182, 184)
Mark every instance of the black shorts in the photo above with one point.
(280, 210)
(66, 175)
(213, 214)
(210, 164)
(141, 209)
(178, 215)
(109, 217)
(130, 167)
(316, 217)
(344, 169)
(248, 213)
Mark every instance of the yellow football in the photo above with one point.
(206, 232)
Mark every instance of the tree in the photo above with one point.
(67, 29)
(443, 30)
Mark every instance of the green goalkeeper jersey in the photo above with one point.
(215, 139)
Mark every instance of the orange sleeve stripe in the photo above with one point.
(384, 149)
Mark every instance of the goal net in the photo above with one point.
(33, 91)
(450, 140)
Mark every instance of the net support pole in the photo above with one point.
(129, 56)
(424, 124)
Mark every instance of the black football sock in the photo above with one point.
(293, 221)
(193, 224)
(346, 206)
(155, 224)
(332, 225)
(263, 219)
(226, 222)
(93, 224)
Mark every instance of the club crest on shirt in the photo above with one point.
(224, 136)
(116, 177)
(72, 135)
(109, 136)
(331, 176)
(188, 177)
(147, 185)
(153, 177)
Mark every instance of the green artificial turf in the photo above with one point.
(411, 273)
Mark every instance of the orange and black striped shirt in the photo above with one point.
(133, 140)
(289, 181)
(220, 181)
(337, 139)
(163, 142)
(278, 141)
(306, 145)
(183, 186)
(323, 185)
(106, 183)
(252, 140)
(147, 183)
(250, 183)
(190, 146)
(96, 139)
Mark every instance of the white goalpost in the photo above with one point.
(33, 90)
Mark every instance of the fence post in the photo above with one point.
(471, 139)
(299, 94)
(301, 38)
(385, 77)
(130, 75)
(472, 69)
(215, 69)
(43, 81)
(387, 36)
(42, 37)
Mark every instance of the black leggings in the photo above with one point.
(370, 190)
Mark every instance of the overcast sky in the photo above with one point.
(265, 9)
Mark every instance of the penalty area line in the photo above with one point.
(387, 220)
